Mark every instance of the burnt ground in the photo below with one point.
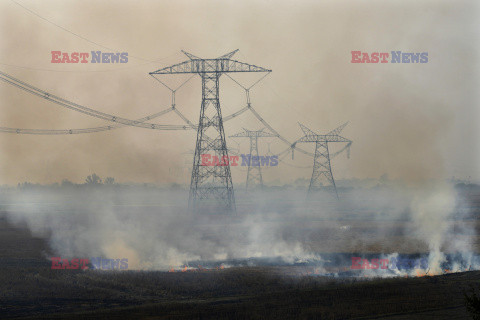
(30, 289)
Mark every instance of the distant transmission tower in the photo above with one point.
(211, 188)
(254, 174)
(322, 170)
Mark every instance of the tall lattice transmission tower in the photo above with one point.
(254, 173)
(322, 169)
(211, 188)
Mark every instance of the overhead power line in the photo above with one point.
(85, 110)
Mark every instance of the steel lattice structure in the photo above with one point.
(254, 173)
(322, 169)
(211, 188)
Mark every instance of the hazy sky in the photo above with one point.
(411, 121)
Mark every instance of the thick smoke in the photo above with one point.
(157, 234)
(153, 229)
(432, 211)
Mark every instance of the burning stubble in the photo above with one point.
(413, 123)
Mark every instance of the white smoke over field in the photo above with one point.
(153, 229)
(432, 211)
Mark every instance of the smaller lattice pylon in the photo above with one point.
(322, 169)
(254, 173)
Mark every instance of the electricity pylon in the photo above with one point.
(211, 188)
(254, 173)
(321, 161)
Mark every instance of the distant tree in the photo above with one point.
(175, 186)
(25, 185)
(384, 178)
(109, 181)
(472, 302)
(67, 183)
(93, 179)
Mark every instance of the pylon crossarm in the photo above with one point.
(259, 134)
(239, 135)
(337, 130)
(323, 138)
(228, 55)
(307, 131)
(189, 55)
(210, 66)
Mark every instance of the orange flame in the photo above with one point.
(420, 274)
